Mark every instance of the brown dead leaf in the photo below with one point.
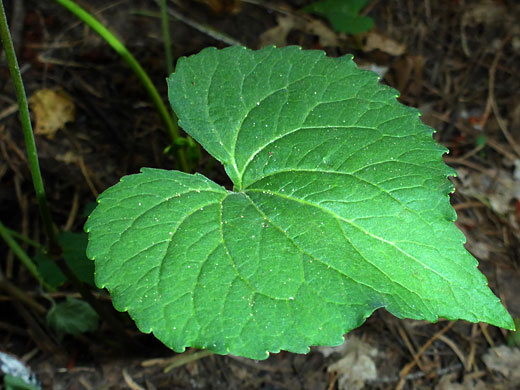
(286, 23)
(326, 36)
(498, 188)
(505, 360)
(485, 12)
(381, 70)
(69, 157)
(356, 366)
(491, 14)
(408, 72)
(449, 382)
(223, 6)
(374, 40)
(278, 34)
(52, 109)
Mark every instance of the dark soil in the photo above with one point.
(459, 66)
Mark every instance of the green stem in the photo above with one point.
(170, 123)
(166, 37)
(32, 154)
(23, 238)
(55, 248)
(20, 253)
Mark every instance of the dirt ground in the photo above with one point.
(456, 60)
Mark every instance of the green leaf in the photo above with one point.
(14, 383)
(73, 317)
(513, 337)
(48, 270)
(340, 207)
(343, 15)
(87, 210)
(74, 247)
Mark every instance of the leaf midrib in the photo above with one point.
(353, 224)
(303, 251)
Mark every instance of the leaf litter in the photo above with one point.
(52, 110)
(450, 84)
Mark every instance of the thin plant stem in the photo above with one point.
(55, 248)
(23, 238)
(32, 154)
(205, 29)
(166, 37)
(168, 119)
(22, 256)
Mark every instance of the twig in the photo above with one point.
(410, 347)
(416, 375)
(491, 104)
(483, 328)
(73, 211)
(8, 111)
(332, 380)
(41, 338)
(503, 127)
(20, 295)
(450, 343)
(13, 329)
(187, 358)
(468, 205)
(130, 381)
(86, 175)
(280, 9)
(177, 360)
(491, 85)
(219, 36)
(489, 172)
(472, 347)
(500, 148)
(406, 370)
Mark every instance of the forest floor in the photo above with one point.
(457, 61)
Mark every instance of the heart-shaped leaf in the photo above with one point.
(340, 206)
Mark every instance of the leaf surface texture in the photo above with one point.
(340, 206)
